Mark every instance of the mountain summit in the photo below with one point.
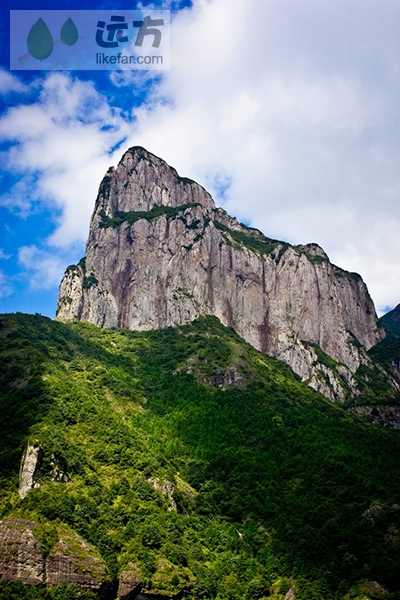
(161, 254)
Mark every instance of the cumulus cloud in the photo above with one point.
(295, 104)
(286, 110)
(21, 197)
(44, 268)
(61, 146)
(9, 83)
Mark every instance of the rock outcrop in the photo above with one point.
(161, 254)
(21, 557)
(130, 582)
(29, 467)
(167, 489)
(74, 561)
(71, 561)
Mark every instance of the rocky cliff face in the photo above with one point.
(71, 560)
(161, 254)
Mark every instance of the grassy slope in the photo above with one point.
(272, 460)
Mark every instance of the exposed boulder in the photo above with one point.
(226, 378)
(381, 415)
(32, 468)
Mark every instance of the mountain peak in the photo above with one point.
(140, 153)
(160, 254)
(142, 181)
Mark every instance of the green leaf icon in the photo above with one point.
(69, 33)
(40, 41)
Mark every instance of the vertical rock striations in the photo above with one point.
(160, 254)
(71, 560)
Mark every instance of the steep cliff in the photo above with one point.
(160, 254)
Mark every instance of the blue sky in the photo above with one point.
(286, 111)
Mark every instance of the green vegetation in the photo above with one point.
(132, 216)
(89, 281)
(374, 381)
(272, 483)
(254, 240)
(374, 385)
(76, 268)
(72, 269)
(17, 591)
(315, 259)
(387, 351)
(391, 322)
(322, 357)
(346, 274)
(260, 244)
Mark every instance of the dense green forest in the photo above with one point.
(274, 487)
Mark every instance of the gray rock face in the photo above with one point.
(21, 557)
(29, 467)
(381, 415)
(130, 583)
(161, 254)
(71, 561)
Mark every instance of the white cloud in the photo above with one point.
(288, 108)
(9, 83)
(296, 104)
(21, 196)
(61, 146)
(44, 268)
(134, 79)
(5, 287)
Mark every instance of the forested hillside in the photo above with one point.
(192, 461)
